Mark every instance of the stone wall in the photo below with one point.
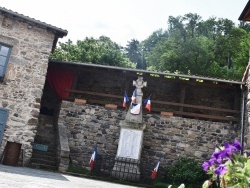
(46, 132)
(170, 137)
(22, 87)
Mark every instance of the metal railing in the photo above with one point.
(126, 169)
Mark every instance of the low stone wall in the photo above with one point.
(170, 137)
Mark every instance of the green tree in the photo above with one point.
(98, 51)
(135, 53)
(245, 26)
(214, 47)
(231, 54)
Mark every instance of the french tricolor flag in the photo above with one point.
(147, 104)
(133, 98)
(125, 100)
(154, 172)
(93, 158)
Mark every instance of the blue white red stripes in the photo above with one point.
(93, 158)
(125, 100)
(133, 98)
(154, 172)
(147, 104)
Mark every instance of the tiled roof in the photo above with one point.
(245, 15)
(221, 80)
(60, 32)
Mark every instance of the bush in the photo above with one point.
(187, 171)
(160, 185)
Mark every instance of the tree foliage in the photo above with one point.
(215, 47)
(98, 51)
(212, 47)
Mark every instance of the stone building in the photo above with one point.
(25, 46)
(245, 17)
(189, 113)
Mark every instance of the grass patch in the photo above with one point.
(77, 170)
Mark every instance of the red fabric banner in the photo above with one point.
(60, 80)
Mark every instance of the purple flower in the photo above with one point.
(237, 145)
(221, 169)
(220, 155)
(228, 149)
(216, 154)
(231, 149)
(212, 161)
(206, 166)
(219, 160)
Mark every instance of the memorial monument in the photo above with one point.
(128, 155)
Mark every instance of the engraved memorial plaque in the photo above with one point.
(130, 143)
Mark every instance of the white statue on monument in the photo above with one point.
(135, 109)
(139, 84)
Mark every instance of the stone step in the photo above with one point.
(44, 155)
(44, 152)
(49, 152)
(49, 161)
(43, 166)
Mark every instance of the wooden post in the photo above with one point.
(74, 83)
(182, 97)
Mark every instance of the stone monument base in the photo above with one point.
(127, 169)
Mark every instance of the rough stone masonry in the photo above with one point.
(170, 137)
(22, 87)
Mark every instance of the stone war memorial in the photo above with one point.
(131, 138)
(187, 117)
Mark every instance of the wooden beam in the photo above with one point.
(189, 114)
(75, 79)
(178, 113)
(95, 93)
(182, 96)
(197, 115)
(195, 106)
(159, 102)
(177, 79)
(206, 116)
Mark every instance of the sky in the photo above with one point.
(120, 20)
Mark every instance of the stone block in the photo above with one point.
(169, 114)
(33, 121)
(111, 106)
(80, 101)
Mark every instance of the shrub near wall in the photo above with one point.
(169, 137)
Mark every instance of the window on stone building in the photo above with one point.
(4, 58)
